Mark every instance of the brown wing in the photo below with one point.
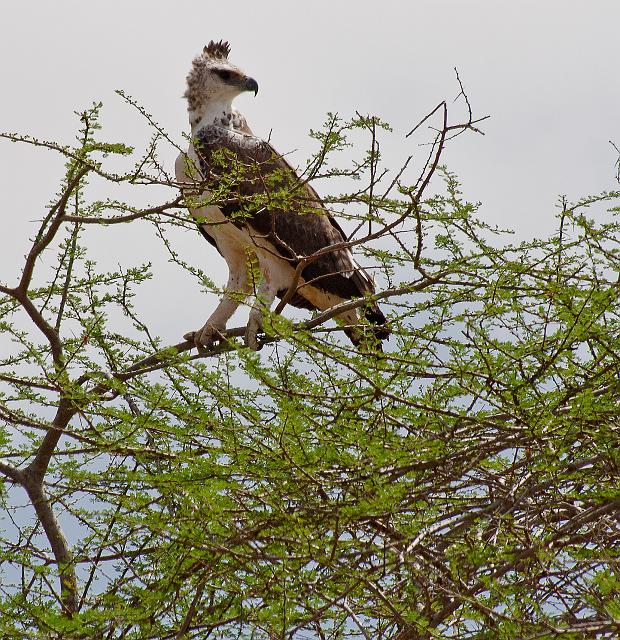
(260, 189)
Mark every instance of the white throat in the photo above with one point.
(218, 112)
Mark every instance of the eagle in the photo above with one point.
(270, 226)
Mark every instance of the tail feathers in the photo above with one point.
(375, 316)
(369, 337)
(365, 285)
(358, 334)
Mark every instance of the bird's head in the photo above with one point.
(213, 78)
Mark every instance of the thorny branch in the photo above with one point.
(416, 195)
(459, 483)
(32, 476)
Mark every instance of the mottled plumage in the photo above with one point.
(263, 209)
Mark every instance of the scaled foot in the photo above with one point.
(206, 335)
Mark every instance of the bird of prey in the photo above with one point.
(270, 226)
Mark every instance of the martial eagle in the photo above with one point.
(265, 214)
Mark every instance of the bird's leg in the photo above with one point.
(237, 289)
(216, 323)
(264, 299)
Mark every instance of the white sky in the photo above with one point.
(546, 71)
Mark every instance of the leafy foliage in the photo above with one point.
(463, 484)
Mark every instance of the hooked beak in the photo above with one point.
(251, 85)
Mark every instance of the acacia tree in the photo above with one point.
(462, 484)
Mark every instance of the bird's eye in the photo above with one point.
(224, 74)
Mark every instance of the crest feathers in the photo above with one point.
(219, 49)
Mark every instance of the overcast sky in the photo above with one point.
(546, 71)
